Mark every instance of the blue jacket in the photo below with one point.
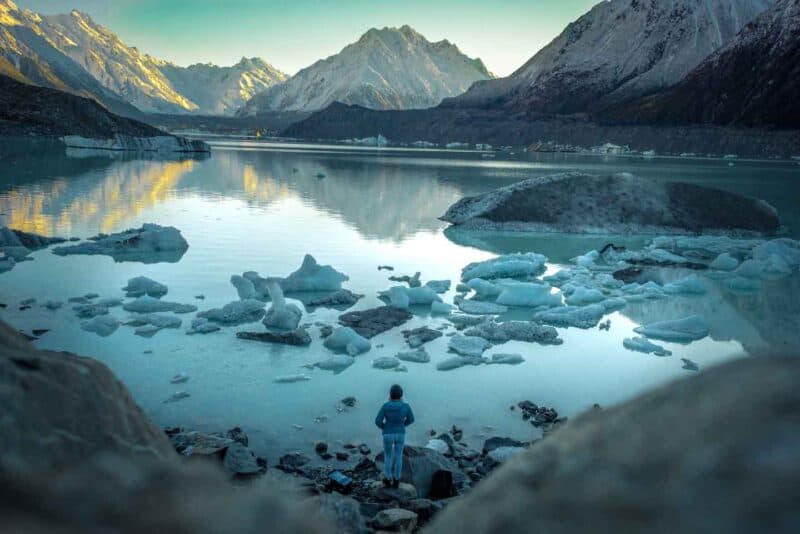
(394, 417)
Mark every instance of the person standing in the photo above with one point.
(393, 418)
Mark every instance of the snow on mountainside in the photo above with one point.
(119, 67)
(223, 90)
(620, 49)
(390, 68)
(28, 54)
(752, 81)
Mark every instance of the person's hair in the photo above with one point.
(396, 392)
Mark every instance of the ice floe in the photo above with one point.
(236, 312)
(313, 277)
(506, 359)
(576, 316)
(501, 332)
(683, 330)
(416, 356)
(148, 304)
(201, 325)
(345, 339)
(291, 379)
(518, 265)
(527, 294)
(149, 244)
(281, 315)
(641, 344)
(336, 363)
(441, 308)
(477, 307)
(102, 325)
(141, 285)
(471, 346)
(385, 362)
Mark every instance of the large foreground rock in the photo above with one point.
(57, 409)
(718, 452)
(618, 203)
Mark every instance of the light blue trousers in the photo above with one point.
(393, 455)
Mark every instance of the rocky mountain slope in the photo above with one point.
(390, 68)
(620, 49)
(222, 90)
(72, 52)
(752, 81)
(33, 110)
(28, 54)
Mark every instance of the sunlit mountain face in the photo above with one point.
(71, 52)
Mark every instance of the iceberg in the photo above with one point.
(501, 332)
(506, 359)
(202, 326)
(471, 346)
(345, 339)
(416, 356)
(517, 265)
(336, 363)
(458, 361)
(441, 308)
(244, 287)
(235, 313)
(141, 285)
(683, 330)
(415, 295)
(477, 307)
(398, 298)
(281, 315)
(576, 316)
(688, 285)
(582, 296)
(87, 311)
(528, 295)
(724, 262)
(313, 277)
(641, 344)
(484, 289)
(102, 325)
(385, 362)
(147, 304)
(149, 244)
(440, 286)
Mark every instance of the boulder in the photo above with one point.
(618, 203)
(419, 466)
(395, 520)
(339, 513)
(496, 442)
(671, 459)
(58, 409)
(404, 492)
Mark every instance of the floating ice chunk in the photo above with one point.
(438, 445)
(291, 379)
(109, 302)
(788, 250)
(515, 331)
(440, 286)
(86, 311)
(147, 330)
(416, 295)
(507, 266)
(313, 277)
(484, 289)
(398, 298)
(477, 307)
(608, 281)
(415, 356)
(147, 304)
(472, 346)
(467, 320)
(750, 269)
(345, 339)
(648, 290)
(458, 361)
(202, 326)
(527, 294)
(385, 362)
(724, 262)
(236, 312)
(683, 330)
(178, 395)
(613, 304)
(641, 344)
(507, 359)
(566, 275)
(688, 285)
(53, 304)
(578, 316)
(587, 260)
(244, 287)
(336, 363)
(141, 285)
(281, 315)
(585, 295)
(179, 378)
(689, 365)
(441, 308)
(149, 244)
(102, 325)
(159, 320)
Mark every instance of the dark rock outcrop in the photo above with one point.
(718, 451)
(619, 203)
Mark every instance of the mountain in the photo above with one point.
(620, 49)
(31, 110)
(222, 90)
(72, 52)
(28, 54)
(752, 81)
(391, 68)
(119, 67)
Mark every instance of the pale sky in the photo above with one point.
(292, 34)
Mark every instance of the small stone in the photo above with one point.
(395, 519)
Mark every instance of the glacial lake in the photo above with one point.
(245, 208)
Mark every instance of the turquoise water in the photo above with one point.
(245, 208)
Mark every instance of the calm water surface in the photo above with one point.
(244, 208)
